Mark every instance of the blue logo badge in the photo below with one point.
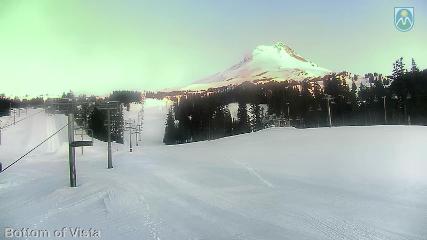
(404, 18)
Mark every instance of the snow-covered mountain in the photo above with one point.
(266, 63)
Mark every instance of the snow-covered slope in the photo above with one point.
(280, 183)
(31, 128)
(265, 63)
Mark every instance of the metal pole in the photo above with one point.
(139, 132)
(130, 138)
(110, 160)
(0, 133)
(136, 137)
(82, 138)
(14, 116)
(366, 113)
(71, 151)
(385, 111)
(328, 99)
(109, 106)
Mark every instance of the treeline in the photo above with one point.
(97, 122)
(126, 97)
(95, 118)
(88, 114)
(397, 99)
(7, 103)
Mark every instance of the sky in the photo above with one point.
(95, 47)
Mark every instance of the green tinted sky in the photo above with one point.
(90, 46)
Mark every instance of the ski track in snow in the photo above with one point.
(255, 173)
(129, 203)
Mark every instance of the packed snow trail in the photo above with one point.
(339, 183)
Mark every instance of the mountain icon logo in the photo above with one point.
(404, 18)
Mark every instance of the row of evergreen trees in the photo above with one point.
(398, 99)
(200, 118)
(90, 116)
(7, 103)
(86, 110)
(95, 119)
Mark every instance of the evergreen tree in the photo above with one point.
(117, 125)
(256, 120)
(228, 121)
(398, 69)
(414, 67)
(170, 136)
(243, 124)
(353, 88)
(83, 114)
(219, 122)
(5, 105)
(97, 124)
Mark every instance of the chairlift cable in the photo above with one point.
(34, 148)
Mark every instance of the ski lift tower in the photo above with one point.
(67, 106)
(328, 106)
(14, 116)
(81, 132)
(109, 106)
(137, 131)
(130, 126)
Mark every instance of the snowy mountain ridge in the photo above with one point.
(266, 63)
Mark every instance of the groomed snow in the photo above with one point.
(339, 183)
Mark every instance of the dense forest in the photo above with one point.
(400, 98)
